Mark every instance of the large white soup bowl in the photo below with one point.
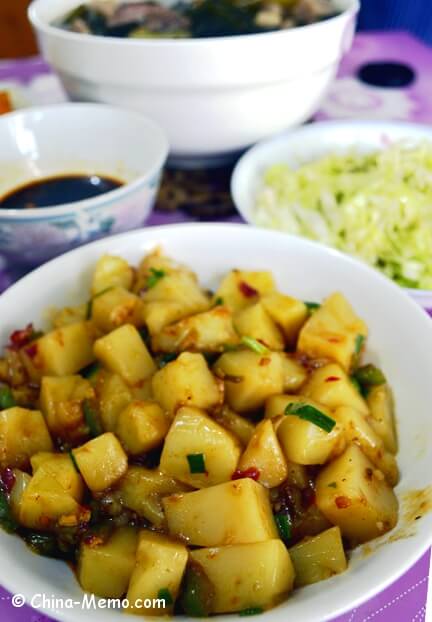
(213, 96)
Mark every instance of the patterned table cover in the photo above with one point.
(404, 600)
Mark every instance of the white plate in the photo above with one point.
(400, 341)
(311, 142)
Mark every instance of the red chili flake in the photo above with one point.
(342, 502)
(264, 362)
(334, 340)
(20, 338)
(7, 478)
(332, 379)
(251, 472)
(31, 351)
(92, 540)
(247, 290)
(84, 515)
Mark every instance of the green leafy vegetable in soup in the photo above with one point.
(195, 19)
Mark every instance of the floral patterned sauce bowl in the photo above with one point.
(76, 139)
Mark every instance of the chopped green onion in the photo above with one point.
(284, 526)
(311, 414)
(198, 592)
(91, 370)
(356, 384)
(369, 376)
(312, 306)
(255, 345)
(230, 347)
(91, 419)
(332, 485)
(166, 358)
(45, 544)
(219, 301)
(7, 400)
(103, 291)
(90, 302)
(358, 345)
(7, 521)
(359, 341)
(196, 463)
(145, 335)
(155, 277)
(74, 462)
(251, 611)
(165, 594)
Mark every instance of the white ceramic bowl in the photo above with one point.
(84, 139)
(311, 142)
(212, 96)
(400, 341)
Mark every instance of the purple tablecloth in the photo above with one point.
(405, 600)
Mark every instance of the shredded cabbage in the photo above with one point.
(375, 206)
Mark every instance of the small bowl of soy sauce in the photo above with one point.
(73, 173)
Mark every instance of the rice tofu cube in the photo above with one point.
(115, 307)
(302, 441)
(124, 352)
(61, 352)
(111, 271)
(158, 572)
(246, 575)
(381, 405)
(114, 395)
(61, 467)
(319, 557)
(255, 322)
(101, 462)
(23, 433)
(331, 386)
(61, 403)
(357, 429)
(159, 314)
(264, 453)
(142, 491)
(104, 568)
(209, 331)
(45, 503)
(250, 378)
(288, 313)
(187, 381)
(236, 512)
(334, 331)
(178, 285)
(353, 495)
(241, 427)
(142, 426)
(294, 374)
(241, 288)
(194, 433)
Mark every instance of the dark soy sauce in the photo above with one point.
(52, 191)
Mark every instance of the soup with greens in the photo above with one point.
(196, 19)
